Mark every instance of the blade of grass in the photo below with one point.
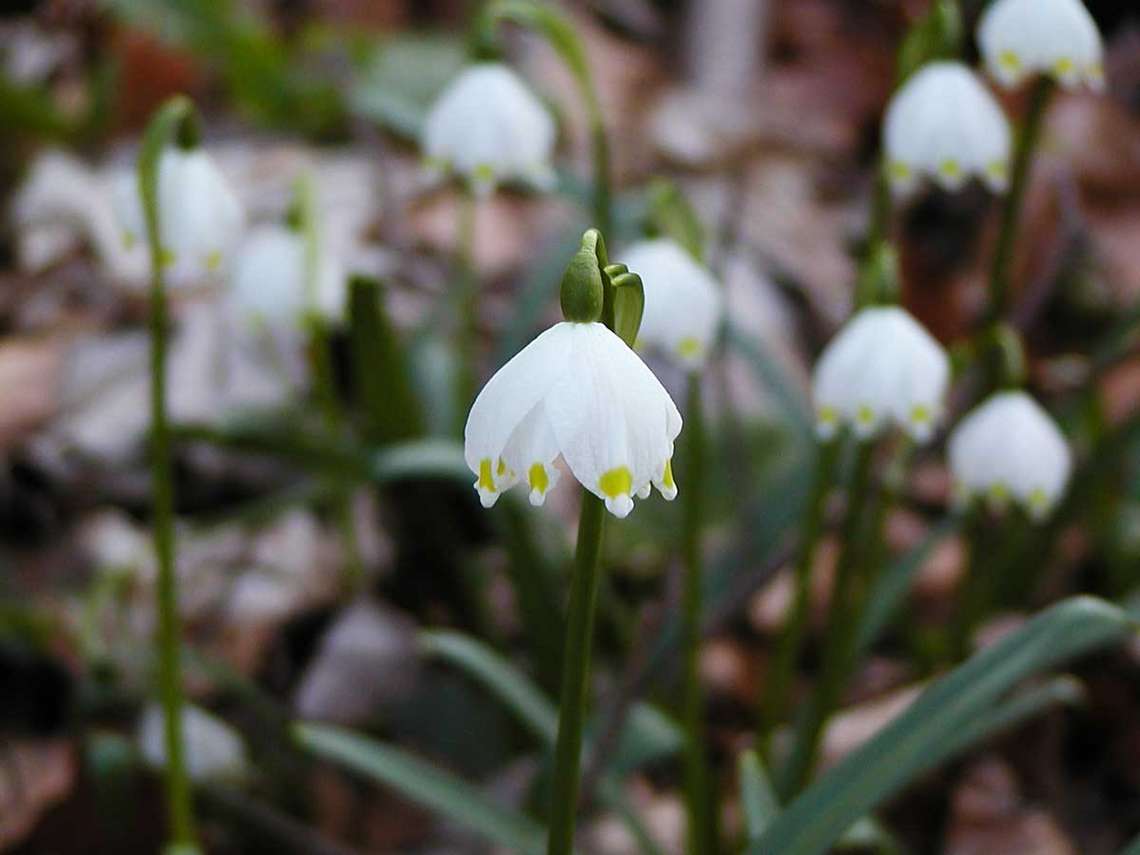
(937, 724)
(425, 784)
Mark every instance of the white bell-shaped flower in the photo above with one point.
(488, 127)
(945, 125)
(1058, 38)
(269, 282)
(882, 368)
(577, 391)
(212, 748)
(200, 217)
(1009, 448)
(683, 305)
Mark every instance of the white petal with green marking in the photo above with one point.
(488, 127)
(1009, 449)
(943, 124)
(882, 368)
(579, 393)
(1058, 38)
(683, 302)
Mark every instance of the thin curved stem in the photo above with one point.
(162, 132)
(699, 802)
(561, 36)
(576, 675)
(775, 702)
(1015, 198)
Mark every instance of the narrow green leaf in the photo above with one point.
(425, 784)
(669, 214)
(483, 664)
(380, 375)
(757, 795)
(919, 737)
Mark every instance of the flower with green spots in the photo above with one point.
(882, 368)
(577, 392)
(1009, 449)
(202, 219)
(488, 127)
(1058, 38)
(944, 125)
(683, 303)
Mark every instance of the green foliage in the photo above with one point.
(426, 784)
(948, 717)
(937, 35)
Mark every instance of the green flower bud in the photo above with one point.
(582, 294)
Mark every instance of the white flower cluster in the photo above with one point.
(943, 123)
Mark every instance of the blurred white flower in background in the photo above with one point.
(269, 279)
(1009, 448)
(200, 217)
(213, 749)
(1058, 38)
(63, 204)
(945, 125)
(882, 368)
(577, 391)
(488, 127)
(683, 302)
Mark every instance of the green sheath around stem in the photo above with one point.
(162, 132)
(576, 675)
(699, 802)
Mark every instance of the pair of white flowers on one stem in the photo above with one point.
(944, 124)
(884, 369)
(275, 277)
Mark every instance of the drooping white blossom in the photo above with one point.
(269, 281)
(943, 124)
(488, 127)
(212, 749)
(200, 218)
(882, 368)
(576, 391)
(1008, 448)
(1058, 38)
(683, 303)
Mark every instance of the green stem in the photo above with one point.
(466, 306)
(976, 588)
(324, 377)
(1014, 200)
(576, 675)
(842, 622)
(162, 132)
(699, 801)
(778, 683)
(564, 40)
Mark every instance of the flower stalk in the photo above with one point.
(466, 302)
(560, 34)
(619, 306)
(842, 623)
(175, 123)
(775, 703)
(324, 376)
(699, 801)
(1026, 144)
